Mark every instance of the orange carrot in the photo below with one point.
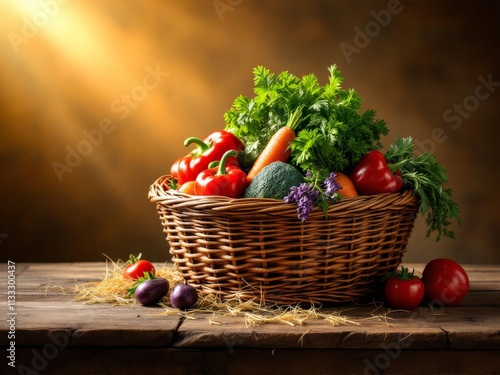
(348, 189)
(277, 149)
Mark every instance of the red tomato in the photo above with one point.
(136, 267)
(404, 290)
(445, 282)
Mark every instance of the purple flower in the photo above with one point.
(331, 186)
(305, 197)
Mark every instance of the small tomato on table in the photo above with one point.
(136, 267)
(404, 290)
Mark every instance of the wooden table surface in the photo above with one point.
(49, 332)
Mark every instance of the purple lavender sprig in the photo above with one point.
(331, 186)
(305, 197)
(310, 194)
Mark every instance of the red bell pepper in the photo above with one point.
(372, 175)
(208, 150)
(226, 180)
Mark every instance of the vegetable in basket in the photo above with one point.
(274, 181)
(371, 175)
(208, 150)
(332, 133)
(225, 180)
(278, 147)
(187, 188)
(347, 188)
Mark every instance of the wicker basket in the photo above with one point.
(257, 248)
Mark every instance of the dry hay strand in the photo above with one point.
(256, 313)
(113, 287)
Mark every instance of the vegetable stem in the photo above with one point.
(201, 146)
(295, 117)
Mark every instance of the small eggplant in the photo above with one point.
(151, 291)
(183, 296)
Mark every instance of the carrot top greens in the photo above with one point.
(332, 133)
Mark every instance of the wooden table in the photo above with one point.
(49, 332)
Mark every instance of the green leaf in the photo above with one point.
(426, 177)
(332, 132)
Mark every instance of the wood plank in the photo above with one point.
(43, 305)
(462, 328)
(478, 298)
(313, 335)
(39, 278)
(101, 324)
(41, 310)
(19, 267)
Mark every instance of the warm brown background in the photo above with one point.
(68, 66)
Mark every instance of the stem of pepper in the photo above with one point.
(222, 163)
(201, 146)
(393, 167)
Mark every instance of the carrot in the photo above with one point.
(187, 188)
(278, 147)
(348, 189)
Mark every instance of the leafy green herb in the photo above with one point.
(426, 177)
(332, 132)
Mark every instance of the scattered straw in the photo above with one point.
(256, 314)
(112, 288)
(301, 339)
(49, 287)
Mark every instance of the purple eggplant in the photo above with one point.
(151, 291)
(183, 296)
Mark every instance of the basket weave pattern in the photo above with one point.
(258, 248)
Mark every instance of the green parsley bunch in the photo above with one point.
(332, 131)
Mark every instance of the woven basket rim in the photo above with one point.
(159, 193)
